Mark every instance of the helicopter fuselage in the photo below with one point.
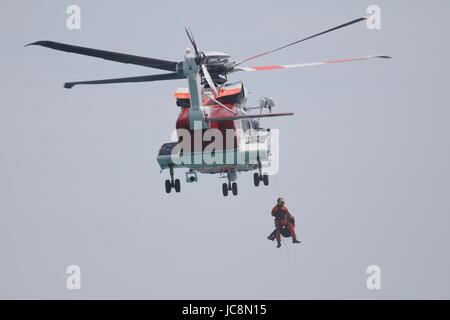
(226, 146)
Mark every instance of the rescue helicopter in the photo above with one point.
(208, 104)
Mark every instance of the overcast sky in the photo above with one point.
(364, 161)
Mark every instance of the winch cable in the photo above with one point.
(277, 182)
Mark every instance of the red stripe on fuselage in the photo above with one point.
(214, 111)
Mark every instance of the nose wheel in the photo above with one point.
(231, 185)
(172, 183)
(226, 187)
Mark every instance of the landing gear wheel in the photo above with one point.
(177, 185)
(225, 189)
(234, 189)
(168, 186)
(265, 179)
(256, 179)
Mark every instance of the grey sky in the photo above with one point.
(364, 161)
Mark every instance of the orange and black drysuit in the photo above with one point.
(283, 219)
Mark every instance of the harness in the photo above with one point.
(280, 214)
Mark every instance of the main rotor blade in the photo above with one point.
(109, 55)
(304, 39)
(191, 39)
(153, 77)
(288, 66)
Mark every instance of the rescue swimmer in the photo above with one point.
(284, 223)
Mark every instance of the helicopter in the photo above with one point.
(217, 131)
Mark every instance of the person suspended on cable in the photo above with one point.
(284, 223)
